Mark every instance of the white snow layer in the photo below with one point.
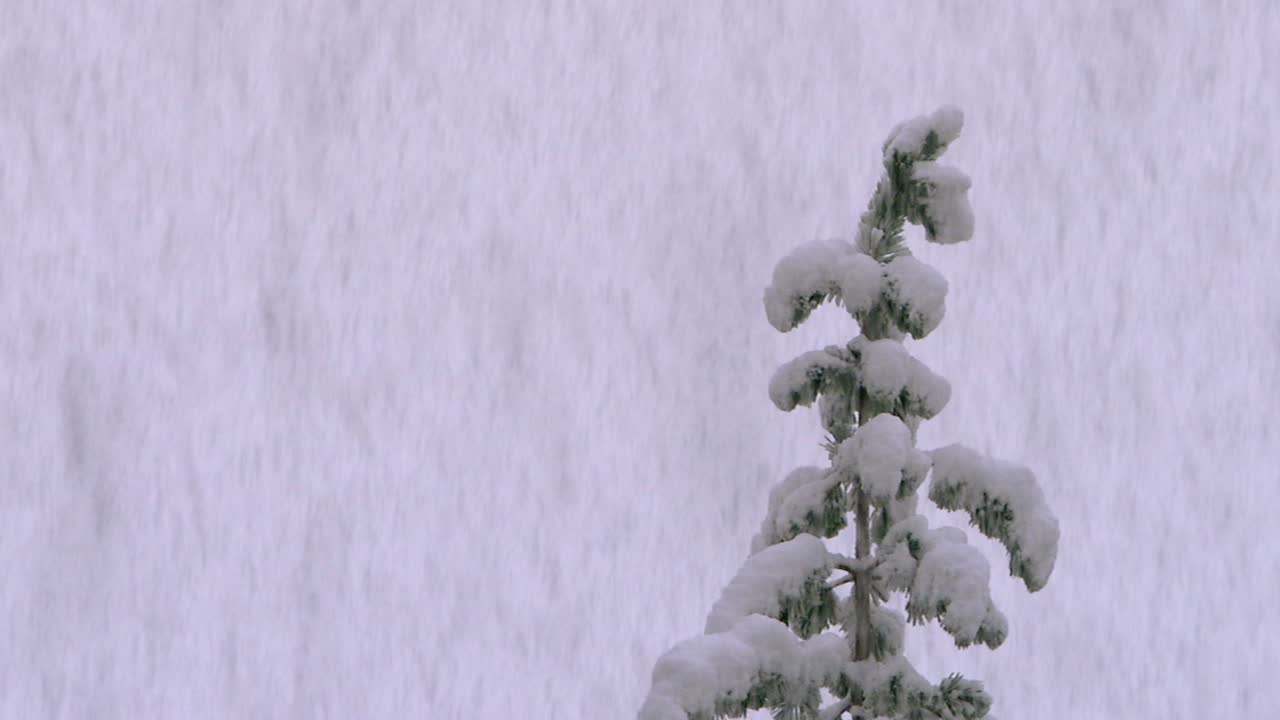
(945, 204)
(774, 573)
(800, 493)
(895, 568)
(918, 293)
(818, 270)
(945, 578)
(890, 627)
(837, 409)
(995, 627)
(860, 278)
(886, 369)
(909, 137)
(697, 673)
(953, 583)
(883, 368)
(826, 269)
(806, 500)
(805, 272)
(876, 455)
(900, 507)
(928, 390)
(1005, 503)
(886, 684)
(918, 464)
(797, 381)
(895, 564)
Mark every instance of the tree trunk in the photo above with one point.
(861, 582)
(861, 591)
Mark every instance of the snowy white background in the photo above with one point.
(399, 360)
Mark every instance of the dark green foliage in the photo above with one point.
(920, 615)
(837, 407)
(906, 404)
(962, 699)
(770, 691)
(990, 634)
(932, 148)
(993, 517)
(803, 307)
(825, 521)
(886, 633)
(903, 317)
(820, 379)
(829, 519)
(812, 611)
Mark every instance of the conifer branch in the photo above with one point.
(842, 581)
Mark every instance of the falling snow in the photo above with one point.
(407, 359)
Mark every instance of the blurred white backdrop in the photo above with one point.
(401, 359)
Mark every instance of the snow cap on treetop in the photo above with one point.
(909, 138)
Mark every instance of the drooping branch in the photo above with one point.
(841, 581)
(1005, 503)
(774, 581)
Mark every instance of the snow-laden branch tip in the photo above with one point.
(915, 294)
(944, 577)
(808, 500)
(717, 673)
(770, 579)
(893, 688)
(891, 375)
(798, 381)
(883, 368)
(953, 584)
(910, 292)
(1004, 502)
(802, 280)
(816, 272)
(943, 210)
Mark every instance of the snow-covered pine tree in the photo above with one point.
(766, 643)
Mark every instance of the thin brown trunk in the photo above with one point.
(861, 583)
(861, 592)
